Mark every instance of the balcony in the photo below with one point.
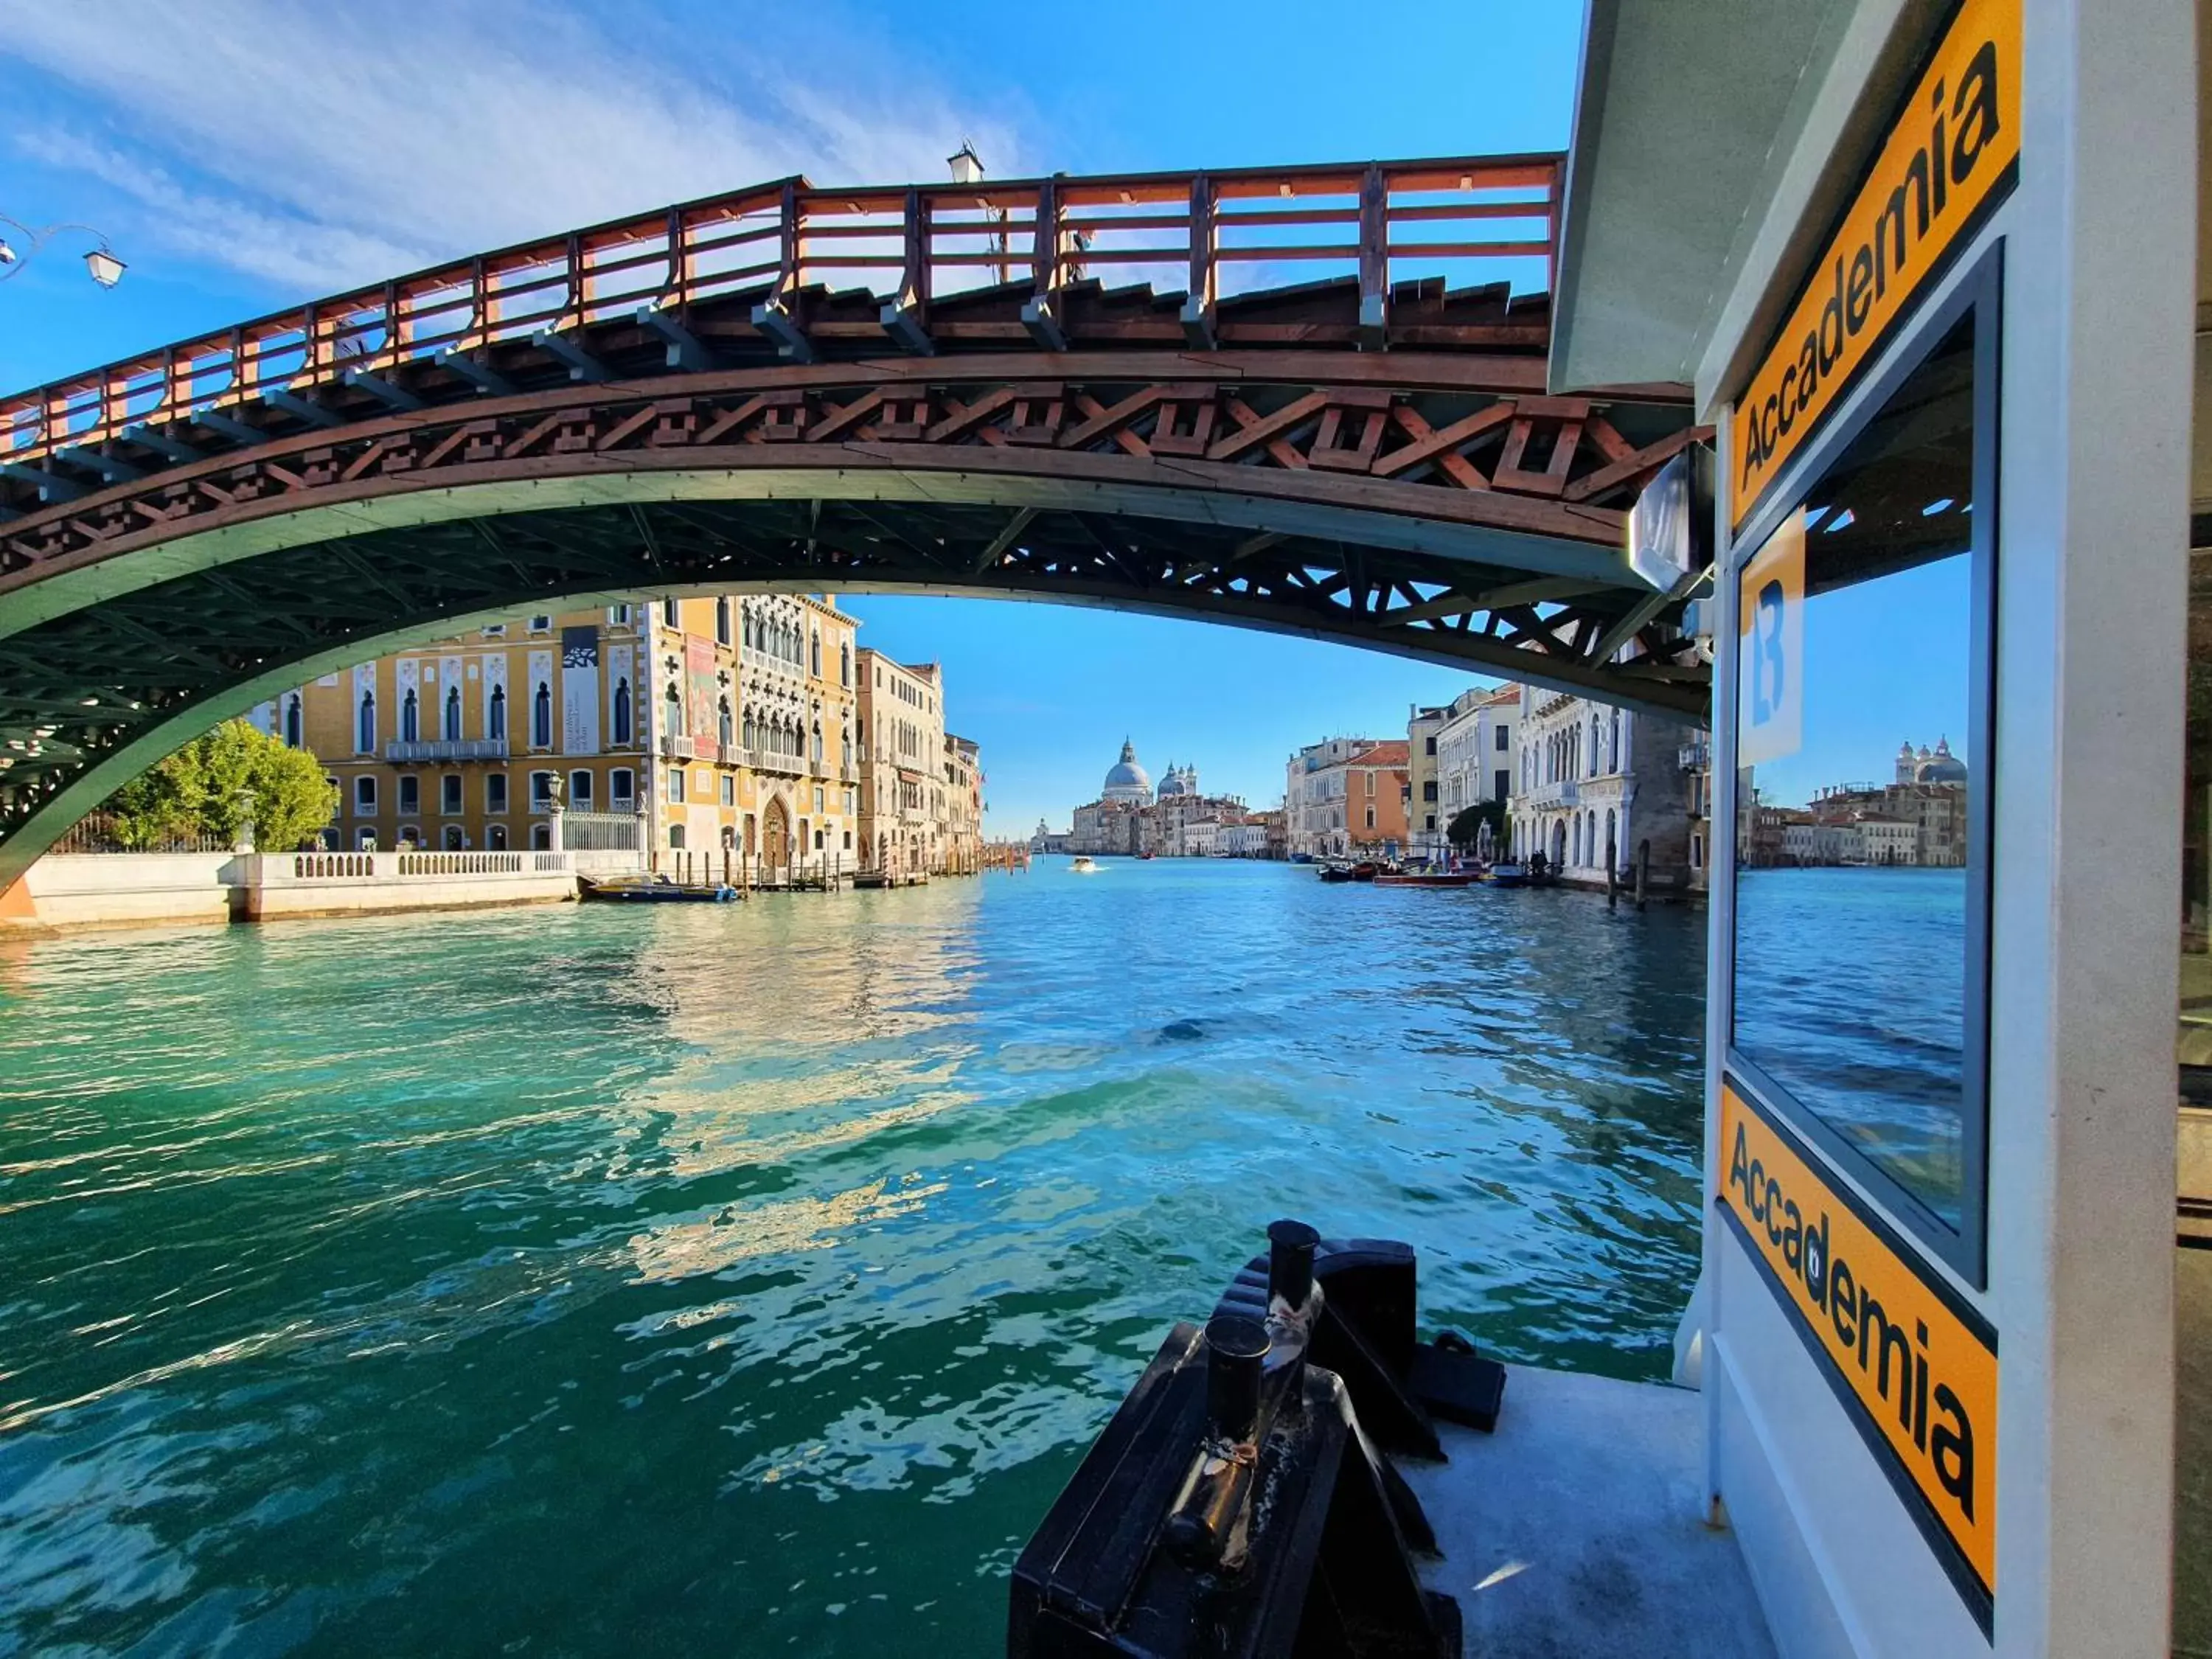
(790, 766)
(1695, 757)
(676, 748)
(444, 749)
(1563, 792)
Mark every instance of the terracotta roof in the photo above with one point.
(1393, 752)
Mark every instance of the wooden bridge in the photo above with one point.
(1101, 391)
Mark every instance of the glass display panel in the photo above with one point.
(1862, 689)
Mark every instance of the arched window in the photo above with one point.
(722, 619)
(622, 711)
(496, 718)
(1577, 844)
(496, 838)
(410, 718)
(669, 614)
(673, 715)
(452, 714)
(364, 741)
(1613, 760)
(541, 716)
(752, 734)
(676, 837)
(292, 722)
(818, 654)
(817, 742)
(845, 665)
(729, 733)
(1611, 844)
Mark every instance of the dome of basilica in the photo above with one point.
(1128, 780)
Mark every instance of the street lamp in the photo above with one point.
(968, 169)
(99, 262)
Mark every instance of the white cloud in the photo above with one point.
(325, 146)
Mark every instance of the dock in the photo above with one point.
(1578, 1527)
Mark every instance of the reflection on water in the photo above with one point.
(1851, 993)
(703, 1280)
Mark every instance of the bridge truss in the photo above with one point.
(633, 410)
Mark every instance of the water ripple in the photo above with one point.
(603, 1283)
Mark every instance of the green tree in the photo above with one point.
(217, 781)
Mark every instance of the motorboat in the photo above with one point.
(1367, 870)
(1507, 875)
(1428, 878)
(1084, 867)
(654, 890)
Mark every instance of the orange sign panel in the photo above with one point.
(1918, 1367)
(1953, 150)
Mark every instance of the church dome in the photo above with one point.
(1127, 779)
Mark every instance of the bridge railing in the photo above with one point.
(1207, 234)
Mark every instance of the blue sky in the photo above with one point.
(1862, 702)
(245, 154)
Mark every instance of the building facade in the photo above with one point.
(1424, 811)
(1313, 799)
(1478, 754)
(960, 827)
(708, 718)
(901, 734)
(1601, 789)
(1345, 798)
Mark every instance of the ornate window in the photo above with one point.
(292, 722)
(541, 717)
(728, 734)
(495, 720)
(673, 720)
(621, 733)
(722, 620)
(410, 718)
(452, 714)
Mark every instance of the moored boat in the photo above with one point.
(1428, 878)
(654, 890)
(1507, 875)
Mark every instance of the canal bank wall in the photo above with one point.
(126, 890)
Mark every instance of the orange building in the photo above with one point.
(1375, 781)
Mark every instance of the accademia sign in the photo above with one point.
(1952, 153)
(1913, 1365)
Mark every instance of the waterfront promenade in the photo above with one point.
(423, 1283)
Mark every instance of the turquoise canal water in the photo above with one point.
(749, 1280)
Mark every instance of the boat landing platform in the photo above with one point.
(1578, 1527)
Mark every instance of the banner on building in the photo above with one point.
(699, 670)
(579, 690)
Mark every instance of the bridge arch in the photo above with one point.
(1370, 462)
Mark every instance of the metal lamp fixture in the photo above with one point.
(99, 262)
(967, 166)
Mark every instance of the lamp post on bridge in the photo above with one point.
(968, 169)
(100, 261)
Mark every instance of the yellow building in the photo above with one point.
(901, 732)
(719, 724)
(960, 816)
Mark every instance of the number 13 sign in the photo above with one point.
(1770, 648)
